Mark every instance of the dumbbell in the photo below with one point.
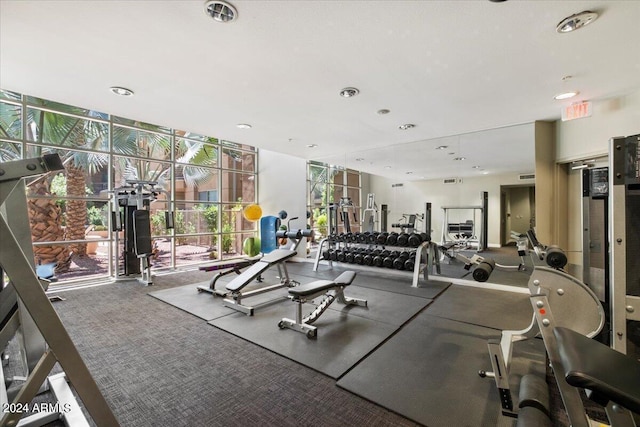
(392, 239)
(340, 256)
(410, 263)
(484, 270)
(333, 255)
(371, 237)
(358, 258)
(378, 260)
(381, 238)
(349, 257)
(367, 259)
(398, 263)
(403, 239)
(326, 254)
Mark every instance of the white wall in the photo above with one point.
(282, 185)
(412, 196)
(588, 137)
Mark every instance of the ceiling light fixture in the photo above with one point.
(387, 167)
(122, 91)
(359, 159)
(576, 21)
(220, 11)
(384, 111)
(459, 158)
(312, 145)
(409, 173)
(441, 147)
(566, 95)
(406, 126)
(243, 126)
(349, 92)
(475, 167)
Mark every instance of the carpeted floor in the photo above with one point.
(160, 366)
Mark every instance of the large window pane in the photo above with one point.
(133, 142)
(10, 151)
(196, 153)
(238, 187)
(129, 169)
(11, 96)
(196, 183)
(66, 131)
(10, 121)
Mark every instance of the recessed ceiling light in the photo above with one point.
(566, 95)
(349, 92)
(459, 158)
(359, 159)
(243, 126)
(122, 91)
(441, 147)
(451, 154)
(384, 111)
(387, 167)
(406, 126)
(312, 145)
(485, 173)
(576, 21)
(475, 167)
(409, 173)
(220, 11)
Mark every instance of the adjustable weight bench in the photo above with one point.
(331, 289)
(223, 268)
(236, 286)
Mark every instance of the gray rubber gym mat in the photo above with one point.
(206, 306)
(344, 338)
(483, 307)
(428, 372)
(374, 278)
(386, 307)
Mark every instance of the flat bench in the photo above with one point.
(330, 289)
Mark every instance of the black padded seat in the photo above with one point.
(344, 279)
(588, 364)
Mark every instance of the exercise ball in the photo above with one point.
(252, 212)
(251, 246)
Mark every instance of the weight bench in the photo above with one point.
(223, 268)
(236, 286)
(331, 289)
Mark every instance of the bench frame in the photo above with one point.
(303, 324)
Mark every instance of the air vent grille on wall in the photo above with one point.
(450, 180)
(527, 176)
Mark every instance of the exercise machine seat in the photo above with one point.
(591, 365)
(275, 257)
(302, 291)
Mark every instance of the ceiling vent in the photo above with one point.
(450, 180)
(527, 176)
(220, 11)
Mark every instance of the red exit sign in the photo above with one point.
(576, 111)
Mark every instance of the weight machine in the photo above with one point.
(130, 214)
(370, 220)
(463, 235)
(25, 308)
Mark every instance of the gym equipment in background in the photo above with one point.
(130, 215)
(464, 235)
(575, 307)
(407, 224)
(25, 308)
(330, 290)
(624, 223)
(370, 220)
(553, 255)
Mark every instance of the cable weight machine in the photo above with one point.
(130, 215)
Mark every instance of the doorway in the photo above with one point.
(517, 211)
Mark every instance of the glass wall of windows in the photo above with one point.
(333, 186)
(204, 182)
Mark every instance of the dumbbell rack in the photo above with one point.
(367, 249)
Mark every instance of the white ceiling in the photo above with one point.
(453, 68)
